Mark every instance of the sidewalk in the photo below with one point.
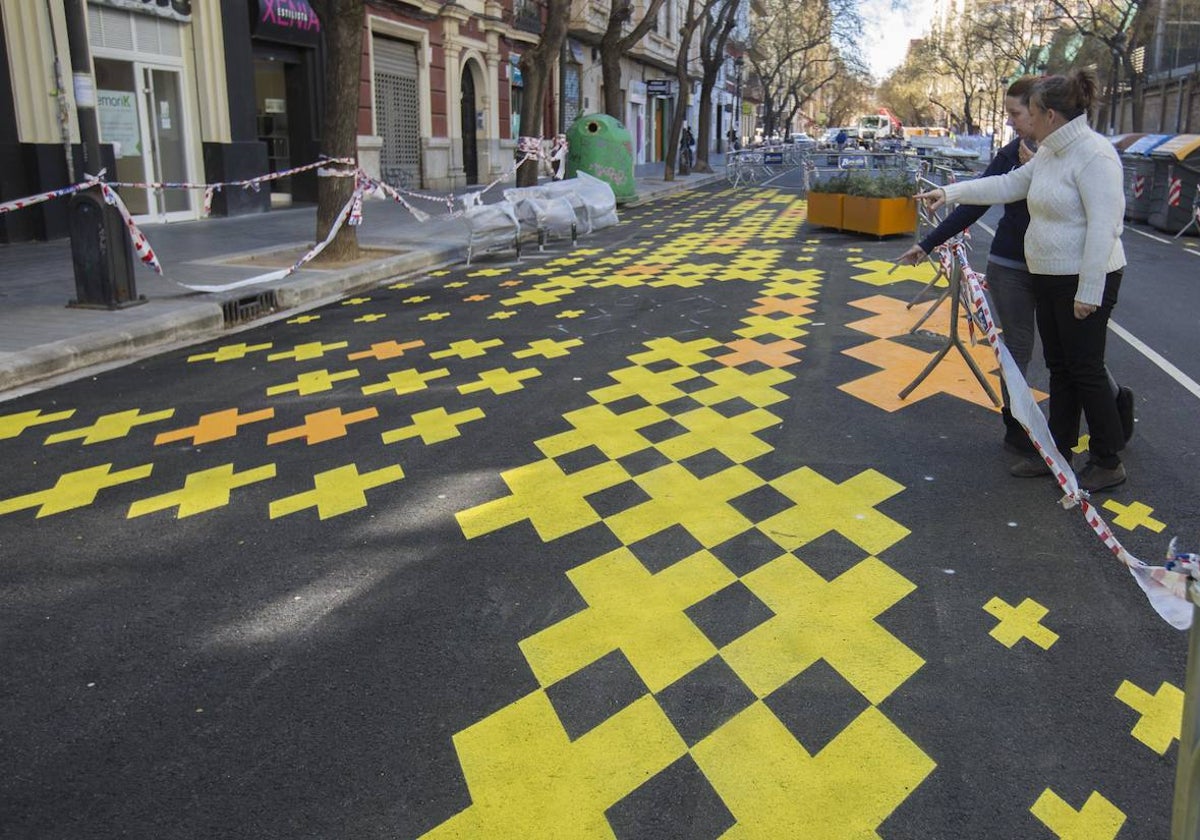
(41, 337)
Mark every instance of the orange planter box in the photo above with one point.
(825, 209)
(879, 216)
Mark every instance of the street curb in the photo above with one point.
(55, 358)
(670, 187)
(199, 321)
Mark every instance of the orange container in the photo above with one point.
(825, 209)
(879, 216)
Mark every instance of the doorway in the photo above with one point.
(140, 109)
(469, 127)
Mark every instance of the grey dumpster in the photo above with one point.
(1178, 162)
(1140, 187)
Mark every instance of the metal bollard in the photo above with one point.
(101, 254)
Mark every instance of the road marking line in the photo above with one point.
(1150, 236)
(1167, 368)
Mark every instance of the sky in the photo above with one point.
(888, 26)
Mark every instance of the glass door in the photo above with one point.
(168, 158)
(119, 106)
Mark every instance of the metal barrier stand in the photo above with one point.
(954, 290)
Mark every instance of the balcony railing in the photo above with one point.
(527, 15)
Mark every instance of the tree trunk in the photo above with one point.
(704, 125)
(536, 66)
(613, 45)
(610, 76)
(342, 23)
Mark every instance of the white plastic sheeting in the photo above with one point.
(599, 199)
(549, 215)
(593, 200)
(491, 226)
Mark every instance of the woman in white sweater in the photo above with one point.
(1074, 188)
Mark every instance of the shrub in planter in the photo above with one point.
(879, 205)
(825, 200)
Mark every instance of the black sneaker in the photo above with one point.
(1125, 410)
(1030, 468)
(1094, 478)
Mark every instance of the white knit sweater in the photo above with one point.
(1075, 189)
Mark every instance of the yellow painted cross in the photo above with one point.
(701, 505)
(616, 435)
(434, 426)
(312, 382)
(788, 326)
(654, 387)
(111, 426)
(307, 352)
(1099, 819)
(734, 437)
(406, 381)
(1020, 622)
(74, 490)
(548, 348)
(674, 350)
(555, 503)
(499, 381)
(633, 611)
(230, 352)
(528, 779)
(202, 491)
(11, 425)
(1162, 714)
(815, 619)
(775, 789)
(822, 506)
(467, 349)
(1134, 515)
(758, 389)
(337, 491)
(538, 297)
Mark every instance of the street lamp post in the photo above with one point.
(738, 63)
(1118, 40)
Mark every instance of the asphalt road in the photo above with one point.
(634, 540)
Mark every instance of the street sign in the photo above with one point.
(660, 87)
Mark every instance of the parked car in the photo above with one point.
(801, 138)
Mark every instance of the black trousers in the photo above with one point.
(1074, 352)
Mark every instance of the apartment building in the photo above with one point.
(205, 91)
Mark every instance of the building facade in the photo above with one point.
(206, 91)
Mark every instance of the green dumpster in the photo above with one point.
(601, 146)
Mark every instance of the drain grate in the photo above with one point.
(245, 309)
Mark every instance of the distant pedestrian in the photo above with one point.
(841, 139)
(686, 143)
